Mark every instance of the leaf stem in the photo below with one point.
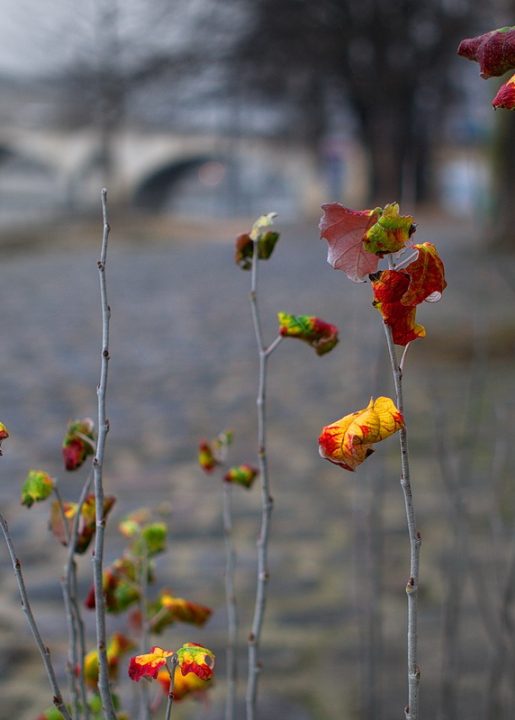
(171, 666)
(98, 461)
(411, 710)
(263, 575)
(25, 604)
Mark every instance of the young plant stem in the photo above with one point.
(43, 649)
(171, 666)
(70, 613)
(98, 462)
(411, 710)
(230, 600)
(77, 643)
(143, 606)
(266, 500)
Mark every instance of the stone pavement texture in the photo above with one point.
(184, 367)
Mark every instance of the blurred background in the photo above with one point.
(198, 116)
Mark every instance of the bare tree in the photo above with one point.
(391, 62)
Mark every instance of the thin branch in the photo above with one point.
(43, 649)
(266, 503)
(411, 710)
(98, 461)
(230, 600)
(269, 350)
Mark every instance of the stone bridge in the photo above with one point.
(156, 170)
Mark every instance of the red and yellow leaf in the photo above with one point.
(243, 475)
(192, 658)
(87, 521)
(426, 276)
(148, 664)
(349, 441)
(196, 659)
(169, 609)
(206, 457)
(322, 336)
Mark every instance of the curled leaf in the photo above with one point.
(206, 457)
(169, 609)
(390, 233)
(494, 51)
(427, 276)
(213, 453)
(398, 292)
(196, 659)
(78, 443)
(37, 487)
(192, 658)
(389, 288)
(120, 584)
(266, 241)
(87, 522)
(349, 441)
(243, 475)
(505, 97)
(148, 664)
(322, 336)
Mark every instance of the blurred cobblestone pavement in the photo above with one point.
(184, 367)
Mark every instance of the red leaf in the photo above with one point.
(344, 230)
(389, 290)
(505, 97)
(494, 51)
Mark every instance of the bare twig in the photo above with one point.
(43, 649)
(266, 501)
(230, 600)
(98, 461)
(411, 710)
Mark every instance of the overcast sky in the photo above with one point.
(41, 35)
